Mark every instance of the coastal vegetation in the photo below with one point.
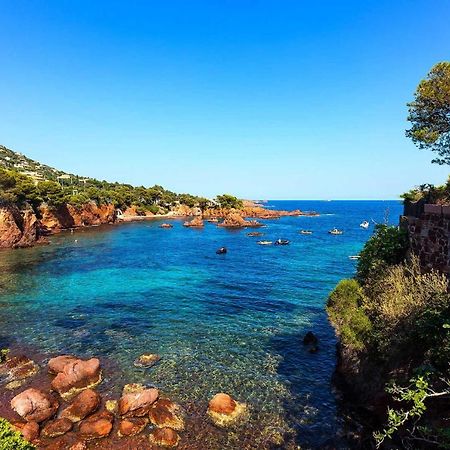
(27, 182)
(393, 321)
(11, 439)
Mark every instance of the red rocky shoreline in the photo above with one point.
(57, 405)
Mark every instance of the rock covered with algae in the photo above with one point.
(224, 411)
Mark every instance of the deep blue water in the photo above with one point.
(230, 323)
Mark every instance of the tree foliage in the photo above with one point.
(429, 113)
(387, 246)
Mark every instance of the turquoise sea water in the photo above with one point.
(231, 323)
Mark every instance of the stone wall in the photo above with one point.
(429, 236)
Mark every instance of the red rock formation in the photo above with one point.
(57, 364)
(77, 376)
(29, 430)
(196, 222)
(34, 405)
(68, 216)
(97, 426)
(56, 427)
(235, 220)
(132, 426)
(165, 413)
(85, 403)
(19, 228)
(137, 404)
(164, 437)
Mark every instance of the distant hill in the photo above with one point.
(18, 162)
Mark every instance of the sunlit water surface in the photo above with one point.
(231, 323)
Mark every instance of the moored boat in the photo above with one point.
(166, 225)
(265, 242)
(335, 231)
(281, 242)
(364, 224)
(305, 232)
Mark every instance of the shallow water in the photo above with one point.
(231, 323)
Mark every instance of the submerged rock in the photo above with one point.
(165, 413)
(56, 427)
(132, 426)
(84, 404)
(137, 404)
(34, 405)
(224, 410)
(76, 376)
(97, 426)
(17, 369)
(310, 339)
(164, 437)
(147, 360)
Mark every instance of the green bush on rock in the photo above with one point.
(387, 246)
(346, 312)
(11, 439)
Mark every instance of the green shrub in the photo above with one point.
(345, 310)
(386, 247)
(11, 439)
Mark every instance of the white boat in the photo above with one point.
(265, 242)
(335, 231)
(364, 224)
(354, 257)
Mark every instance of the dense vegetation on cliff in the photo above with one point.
(24, 181)
(393, 321)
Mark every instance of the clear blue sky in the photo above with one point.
(264, 99)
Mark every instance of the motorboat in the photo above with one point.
(255, 233)
(265, 242)
(335, 231)
(281, 242)
(221, 251)
(306, 232)
(364, 224)
(354, 257)
(166, 225)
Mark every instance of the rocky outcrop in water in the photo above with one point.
(224, 411)
(34, 405)
(235, 220)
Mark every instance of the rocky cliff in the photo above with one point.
(19, 228)
(26, 227)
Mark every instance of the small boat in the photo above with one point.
(364, 224)
(335, 231)
(166, 225)
(354, 257)
(306, 232)
(265, 242)
(221, 251)
(213, 220)
(281, 242)
(255, 233)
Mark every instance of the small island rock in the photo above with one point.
(224, 410)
